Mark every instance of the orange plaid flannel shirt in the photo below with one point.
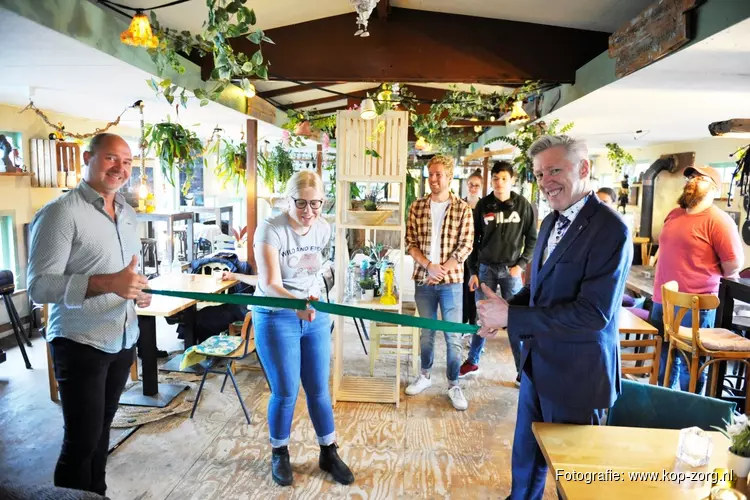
(456, 239)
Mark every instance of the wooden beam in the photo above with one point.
(735, 125)
(331, 98)
(486, 172)
(319, 160)
(295, 88)
(384, 7)
(251, 191)
(481, 123)
(326, 111)
(406, 49)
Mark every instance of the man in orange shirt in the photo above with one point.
(699, 244)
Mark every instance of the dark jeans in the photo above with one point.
(497, 278)
(680, 371)
(90, 383)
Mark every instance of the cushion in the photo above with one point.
(717, 339)
(216, 346)
(651, 406)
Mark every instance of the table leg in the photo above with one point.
(170, 240)
(190, 241)
(152, 393)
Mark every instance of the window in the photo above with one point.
(7, 243)
(196, 191)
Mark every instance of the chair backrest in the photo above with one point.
(683, 303)
(644, 405)
(649, 357)
(223, 242)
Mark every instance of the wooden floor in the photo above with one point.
(423, 449)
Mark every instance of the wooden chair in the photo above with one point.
(646, 362)
(383, 337)
(246, 348)
(715, 344)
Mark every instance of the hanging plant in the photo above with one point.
(276, 168)
(618, 157)
(227, 19)
(177, 149)
(232, 163)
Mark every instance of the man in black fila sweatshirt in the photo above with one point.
(504, 238)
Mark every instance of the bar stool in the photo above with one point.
(148, 254)
(7, 287)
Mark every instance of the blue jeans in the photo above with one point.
(291, 349)
(450, 298)
(707, 320)
(495, 277)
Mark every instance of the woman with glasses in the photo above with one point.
(293, 345)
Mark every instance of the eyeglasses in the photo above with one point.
(302, 204)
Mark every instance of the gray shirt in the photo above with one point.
(300, 256)
(73, 238)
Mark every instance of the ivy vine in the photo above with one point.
(227, 19)
(618, 157)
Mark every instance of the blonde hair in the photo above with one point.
(301, 180)
(446, 161)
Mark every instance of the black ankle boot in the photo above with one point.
(331, 462)
(281, 469)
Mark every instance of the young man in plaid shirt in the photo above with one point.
(439, 237)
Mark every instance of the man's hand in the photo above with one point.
(492, 312)
(488, 333)
(450, 264)
(307, 315)
(516, 271)
(436, 271)
(473, 282)
(143, 300)
(228, 276)
(128, 283)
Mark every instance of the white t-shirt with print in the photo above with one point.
(300, 256)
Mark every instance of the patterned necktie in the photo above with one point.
(562, 223)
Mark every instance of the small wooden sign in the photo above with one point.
(656, 32)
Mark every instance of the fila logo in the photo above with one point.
(513, 217)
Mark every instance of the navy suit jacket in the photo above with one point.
(568, 314)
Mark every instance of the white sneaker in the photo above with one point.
(457, 398)
(418, 385)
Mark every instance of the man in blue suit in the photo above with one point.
(567, 317)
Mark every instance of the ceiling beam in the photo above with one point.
(295, 88)
(422, 46)
(384, 7)
(331, 98)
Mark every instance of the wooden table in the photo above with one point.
(623, 450)
(630, 323)
(639, 283)
(170, 219)
(153, 393)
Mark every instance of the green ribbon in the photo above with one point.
(326, 307)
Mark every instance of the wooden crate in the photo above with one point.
(355, 135)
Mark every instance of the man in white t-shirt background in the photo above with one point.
(439, 237)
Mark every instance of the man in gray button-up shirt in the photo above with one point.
(83, 262)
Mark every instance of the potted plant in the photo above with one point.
(618, 157)
(177, 148)
(231, 164)
(367, 286)
(738, 432)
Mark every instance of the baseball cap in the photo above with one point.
(710, 172)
